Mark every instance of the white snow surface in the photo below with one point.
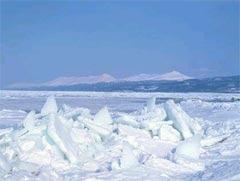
(119, 136)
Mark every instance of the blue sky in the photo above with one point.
(44, 40)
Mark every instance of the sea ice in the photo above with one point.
(62, 141)
(128, 159)
(181, 121)
(168, 133)
(28, 122)
(60, 134)
(151, 104)
(50, 106)
(4, 165)
(187, 153)
(189, 148)
(103, 117)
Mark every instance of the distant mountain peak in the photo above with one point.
(105, 78)
(174, 75)
(170, 76)
(93, 79)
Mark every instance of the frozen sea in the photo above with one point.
(217, 113)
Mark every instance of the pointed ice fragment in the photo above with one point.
(188, 152)
(28, 122)
(128, 159)
(127, 120)
(179, 118)
(5, 131)
(151, 104)
(61, 135)
(4, 163)
(103, 117)
(101, 130)
(190, 148)
(168, 133)
(50, 106)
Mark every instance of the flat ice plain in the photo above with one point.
(132, 138)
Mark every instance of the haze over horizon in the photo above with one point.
(41, 41)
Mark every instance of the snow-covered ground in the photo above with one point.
(119, 136)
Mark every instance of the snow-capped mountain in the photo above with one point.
(104, 78)
(80, 80)
(215, 84)
(170, 76)
(68, 81)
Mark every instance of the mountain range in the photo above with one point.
(105, 78)
(169, 82)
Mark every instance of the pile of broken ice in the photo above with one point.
(58, 139)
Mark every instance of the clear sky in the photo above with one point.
(44, 40)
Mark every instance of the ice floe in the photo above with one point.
(60, 141)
